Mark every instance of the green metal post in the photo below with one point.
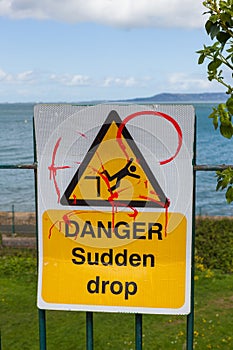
(138, 331)
(89, 330)
(13, 219)
(190, 317)
(42, 329)
(41, 313)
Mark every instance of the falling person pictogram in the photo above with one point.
(127, 170)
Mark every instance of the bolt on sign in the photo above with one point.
(115, 187)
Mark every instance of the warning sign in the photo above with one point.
(114, 170)
(115, 190)
(114, 267)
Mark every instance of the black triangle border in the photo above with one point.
(113, 117)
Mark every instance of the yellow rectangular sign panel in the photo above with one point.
(136, 265)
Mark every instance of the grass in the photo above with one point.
(66, 330)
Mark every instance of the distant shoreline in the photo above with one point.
(161, 98)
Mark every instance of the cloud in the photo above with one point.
(71, 80)
(2, 75)
(84, 80)
(126, 82)
(27, 76)
(117, 13)
(184, 82)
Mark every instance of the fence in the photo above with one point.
(138, 317)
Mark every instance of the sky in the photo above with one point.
(85, 50)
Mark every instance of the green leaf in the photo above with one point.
(226, 131)
(229, 194)
(224, 178)
(213, 18)
(201, 59)
(229, 105)
(223, 37)
(229, 50)
(214, 116)
(213, 66)
(215, 122)
(214, 29)
(225, 17)
(208, 26)
(218, 186)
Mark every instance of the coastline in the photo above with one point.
(21, 218)
(18, 229)
(28, 219)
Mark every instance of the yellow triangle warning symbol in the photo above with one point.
(114, 172)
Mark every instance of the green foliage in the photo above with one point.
(219, 27)
(225, 177)
(18, 264)
(214, 244)
(221, 113)
(219, 55)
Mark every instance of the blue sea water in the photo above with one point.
(16, 146)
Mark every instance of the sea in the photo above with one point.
(16, 147)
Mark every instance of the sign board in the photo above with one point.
(115, 190)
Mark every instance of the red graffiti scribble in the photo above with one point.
(153, 192)
(75, 199)
(51, 228)
(113, 196)
(82, 134)
(153, 200)
(115, 205)
(65, 220)
(163, 205)
(153, 113)
(134, 214)
(113, 214)
(100, 160)
(146, 184)
(103, 176)
(53, 169)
